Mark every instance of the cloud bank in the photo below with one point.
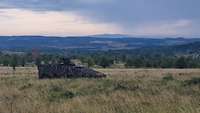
(25, 22)
(136, 17)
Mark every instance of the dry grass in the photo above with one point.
(123, 91)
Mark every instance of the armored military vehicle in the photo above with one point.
(67, 69)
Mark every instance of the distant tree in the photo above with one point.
(14, 62)
(23, 62)
(105, 62)
(90, 62)
(35, 54)
(138, 62)
(134, 62)
(148, 64)
(124, 58)
(181, 63)
(66, 61)
(192, 62)
(129, 63)
(5, 62)
(166, 62)
(38, 62)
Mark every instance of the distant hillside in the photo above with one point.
(192, 48)
(101, 42)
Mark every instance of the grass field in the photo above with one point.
(123, 91)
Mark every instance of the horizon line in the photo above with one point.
(106, 36)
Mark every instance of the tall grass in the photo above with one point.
(123, 91)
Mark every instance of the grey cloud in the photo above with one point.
(127, 13)
(116, 10)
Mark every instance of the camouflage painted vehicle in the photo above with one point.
(67, 70)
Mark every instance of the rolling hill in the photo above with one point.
(100, 42)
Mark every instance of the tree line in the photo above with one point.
(104, 60)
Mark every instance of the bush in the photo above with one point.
(168, 78)
(193, 81)
(57, 93)
(126, 85)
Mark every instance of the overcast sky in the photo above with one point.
(88, 17)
